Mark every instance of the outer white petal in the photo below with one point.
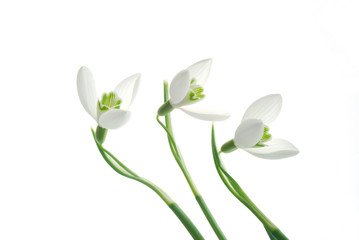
(249, 133)
(266, 109)
(200, 71)
(87, 91)
(127, 90)
(179, 87)
(274, 149)
(114, 118)
(207, 114)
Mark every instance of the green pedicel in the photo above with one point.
(179, 159)
(120, 168)
(273, 232)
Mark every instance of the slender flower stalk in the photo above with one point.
(179, 159)
(273, 231)
(123, 170)
(252, 135)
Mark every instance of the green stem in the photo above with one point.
(119, 162)
(120, 168)
(238, 192)
(210, 217)
(179, 159)
(186, 221)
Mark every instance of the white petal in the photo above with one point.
(114, 118)
(248, 133)
(127, 90)
(87, 91)
(266, 109)
(200, 71)
(179, 86)
(207, 114)
(274, 149)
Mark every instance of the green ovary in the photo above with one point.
(266, 137)
(196, 91)
(109, 101)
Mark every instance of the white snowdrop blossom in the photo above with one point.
(186, 89)
(252, 135)
(112, 110)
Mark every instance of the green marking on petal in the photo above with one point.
(196, 91)
(109, 101)
(266, 137)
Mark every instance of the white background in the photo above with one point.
(54, 183)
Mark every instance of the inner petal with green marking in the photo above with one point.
(109, 101)
(266, 137)
(196, 91)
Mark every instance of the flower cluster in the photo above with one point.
(186, 89)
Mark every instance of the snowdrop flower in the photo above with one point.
(253, 136)
(112, 111)
(187, 88)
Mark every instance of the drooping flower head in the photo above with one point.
(112, 110)
(253, 136)
(187, 88)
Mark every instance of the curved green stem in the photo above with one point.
(119, 162)
(272, 230)
(179, 159)
(120, 168)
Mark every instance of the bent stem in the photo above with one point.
(179, 159)
(272, 230)
(120, 168)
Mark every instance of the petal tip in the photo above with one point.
(225, 115)
(274, 149)
(204, 63)
(206, 114)
(83, 69)
(277, 96)
(207, 60)
(137, 75)
(266, 108)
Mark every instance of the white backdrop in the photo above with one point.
(54, 183)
